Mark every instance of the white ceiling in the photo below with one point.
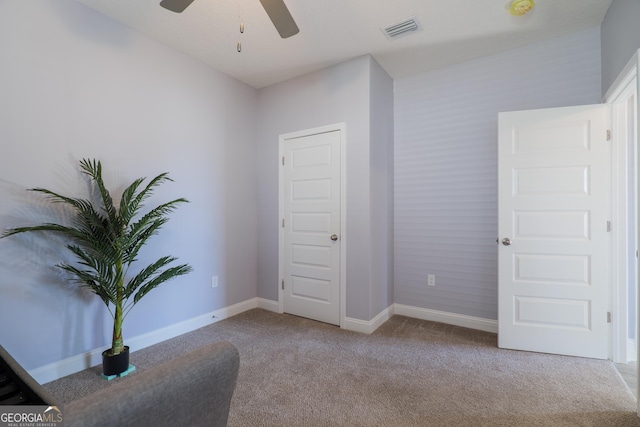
(332, 31)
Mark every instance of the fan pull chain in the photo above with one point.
(239, 47)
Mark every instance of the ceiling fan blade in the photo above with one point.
(177, 6)
(281, 18)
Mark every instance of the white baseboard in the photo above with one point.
(368, 327)
(350, 324)
(470, 322)
(269, 305)
(232, 310)
(71, 365)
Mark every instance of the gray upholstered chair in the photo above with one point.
(194, 390)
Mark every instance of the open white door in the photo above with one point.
(554, 239)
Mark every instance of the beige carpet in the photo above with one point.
(297, 372)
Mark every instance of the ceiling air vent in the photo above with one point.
(401, 29)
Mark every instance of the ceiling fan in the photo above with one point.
(276, 9)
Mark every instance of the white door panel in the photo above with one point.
(311, 198)
(554, 207)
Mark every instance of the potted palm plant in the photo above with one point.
(106, 239)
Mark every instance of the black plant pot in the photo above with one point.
(114, 365)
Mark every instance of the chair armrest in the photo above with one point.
(32, 392)
(192, 390)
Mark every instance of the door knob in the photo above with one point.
(506, 241)
(334, 237)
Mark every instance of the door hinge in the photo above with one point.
(608, 317)
(608, 226)
(283, 285)
(282, 160)
(282, 222)
(608, 135)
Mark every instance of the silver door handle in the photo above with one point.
(506, 241)
(334, 237)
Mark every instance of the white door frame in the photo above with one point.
(339, 127)
(619, 192)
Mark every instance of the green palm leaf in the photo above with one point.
(166, 275)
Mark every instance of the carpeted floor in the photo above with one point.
(297, 372)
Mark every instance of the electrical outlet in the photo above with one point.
(214, 281)
(431, 280)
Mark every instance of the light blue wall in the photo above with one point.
(381, 161)
(75, 84)
(620, 38)
(341, 93)
(446, 164)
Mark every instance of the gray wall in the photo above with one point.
(446, 164)
(75, 84)
(620, 38)
(381, 136)
(341, 93)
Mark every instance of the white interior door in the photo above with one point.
(311, 229)
(554, 239)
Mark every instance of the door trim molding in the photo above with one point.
(619, 189)
(629, 72)
(337, 127)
